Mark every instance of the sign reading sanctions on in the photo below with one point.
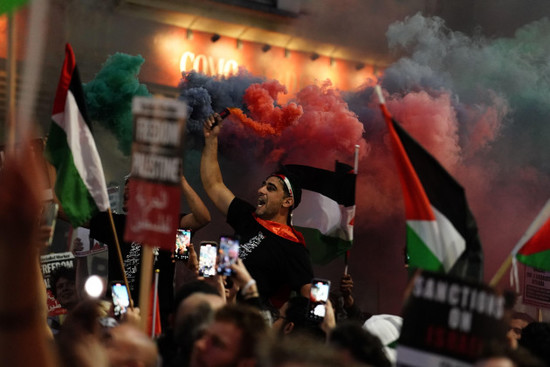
(154, 203)
(446, 321)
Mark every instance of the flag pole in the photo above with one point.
(355, 169)
(501, 271)
(145, 284)
(119, 253)
(155, 304)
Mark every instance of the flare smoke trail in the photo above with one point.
(109, 96)
(477, 104)
(480, 106)
(316, 127)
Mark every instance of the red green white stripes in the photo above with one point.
(80, 183)
(441, 232)
(326, 213)
(533, 249)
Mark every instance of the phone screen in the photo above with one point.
(228, 254)
(207, 259)
(121, 300)
(318, 298)
(183, 241)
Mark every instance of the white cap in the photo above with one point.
(387, 328)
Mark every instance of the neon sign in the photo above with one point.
(207, 64)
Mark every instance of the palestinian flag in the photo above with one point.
(533, 249)
(326, 213)
(441, 231)
(70, 148)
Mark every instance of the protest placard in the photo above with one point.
(155, 182)
(48, 264)
(447, 321)
(536, 289)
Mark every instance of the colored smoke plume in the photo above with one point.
(109, 96)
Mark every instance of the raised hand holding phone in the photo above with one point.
(318, 298)
(183, 241)
(208, 251)
(228, 254)
(121, 300)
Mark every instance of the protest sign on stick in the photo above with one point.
(155, 179)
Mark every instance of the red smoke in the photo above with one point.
(316, 128)
(261, 129)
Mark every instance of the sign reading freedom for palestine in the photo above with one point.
(154, 203)
(447, 321)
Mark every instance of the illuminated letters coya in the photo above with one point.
(207, 64)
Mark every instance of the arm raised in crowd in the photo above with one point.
(211, 175)
(199, 216)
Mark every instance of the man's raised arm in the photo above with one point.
(199, 216)
(211, 175)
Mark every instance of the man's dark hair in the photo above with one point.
(58, 273)
(296, 313)
(295, 183)
(535, 337)
(362, 345)
(251, 323)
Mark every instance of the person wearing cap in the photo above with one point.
(272, 250)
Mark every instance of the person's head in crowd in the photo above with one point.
(497, 354)
(387, 328)
(278, 196)
(231, 339)
(518, 321)
(535, 337)
(62, 281)
(291, 319)
(196, 303)
(128, 346)
(357, 345)
(298, 351)
(79, 341)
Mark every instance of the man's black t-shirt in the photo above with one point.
(278, 265)
(100, 229)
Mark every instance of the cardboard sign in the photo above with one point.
(155, 183)
(537, 287)
(49, 263)
(447, 321)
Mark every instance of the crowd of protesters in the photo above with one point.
(237, 320)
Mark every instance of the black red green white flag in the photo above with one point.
(70, 148)
(533, 249)
(326, 213)
(441, 231)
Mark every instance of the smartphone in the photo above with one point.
(207, 258)
(183, 241)
(121, 300)
(228, 253)
(49, 217)
(318, 297)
